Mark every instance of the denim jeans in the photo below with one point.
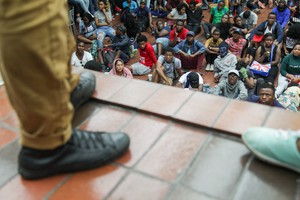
(102, 32)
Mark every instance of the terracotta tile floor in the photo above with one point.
(184, 145)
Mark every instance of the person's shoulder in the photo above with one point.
(253, 98)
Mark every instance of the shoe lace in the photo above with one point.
(87, 140)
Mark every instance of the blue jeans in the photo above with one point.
(102, 32)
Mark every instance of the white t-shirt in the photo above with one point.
(80, 63)
(183, 79)
(252, 20)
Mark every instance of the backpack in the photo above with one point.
(108, 57)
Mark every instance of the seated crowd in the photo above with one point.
(249, 61)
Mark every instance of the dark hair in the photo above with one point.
(179, 20)
(122, 28)
(267, 85)
(180, 6)
(298, 43)
(236, 17)
(221, 2)
(141, 38)
(193, 2)
(169, 49)
(293, 31)
(272, 13)
(159, 20)
(268, 35)
(217, 30)
(247, 14)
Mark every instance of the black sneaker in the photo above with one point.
(85, 150)
(84, 90)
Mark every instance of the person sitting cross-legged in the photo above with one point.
(212, 49)
(232, 87)
(191, 81)
(167, 68)
(147, 57)
(162, 37)
(223, 63)
(266, 96)
(190, 52)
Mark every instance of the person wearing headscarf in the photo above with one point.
(232, 87)
(118, 69)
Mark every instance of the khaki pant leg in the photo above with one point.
(35, 46)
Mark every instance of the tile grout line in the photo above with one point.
(241, 178)
(267, 116)
(180, 107)
(57, 186)
(220, 113)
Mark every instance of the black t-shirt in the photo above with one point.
(224, 28)
(194, 17)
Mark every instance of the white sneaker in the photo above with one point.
(212, 67)
(207, 68)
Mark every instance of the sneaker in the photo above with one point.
(274, 146)
(84, 90)
(230, 15)
(133, 53)
(85, 150)
(207, 68)
(78, 20)
(207, 35)
(212, 67)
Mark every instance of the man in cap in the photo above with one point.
(120, 44)
(190, 52)
(236, 43)
(191, 80)
(232, 87)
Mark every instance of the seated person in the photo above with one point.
(118, 69)
(191, 80)
(198, 3)
(232, 87)
(282, 13)
(190, 52)
(290, 98)
(130, 4)
(147, 57)
(167, 68)
(289, 70)
(236, 44)
(144, 16)
(133, 30)
(194, 17)
(162, 37)
(224, 26)
(235, 6)
(291, 37)
(223, 63)
(266, 96)
(177, 13)
(216, 13)
(253, 5)
(172, 4)
(80, 57)
(212, 49)
(238, 23)
(249, 18)
(246, 76)
(87, 29)
(270, 26)
(120, 44)
(268, 53)
(159, 9)
(178, 34)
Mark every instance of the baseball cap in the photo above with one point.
(257, 38)
(193, 79)
(190, 33)
(234, 71)
(238, 30)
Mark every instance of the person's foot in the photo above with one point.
(118, 9)
(84, 90)
(212, 67)
(207, 68)
(85, 150)
(207, 35)
(277, 147)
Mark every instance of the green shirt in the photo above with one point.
(290, 65)
(217, 14)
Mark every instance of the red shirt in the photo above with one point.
(181, 36)
(197, 1)
(147, 55)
